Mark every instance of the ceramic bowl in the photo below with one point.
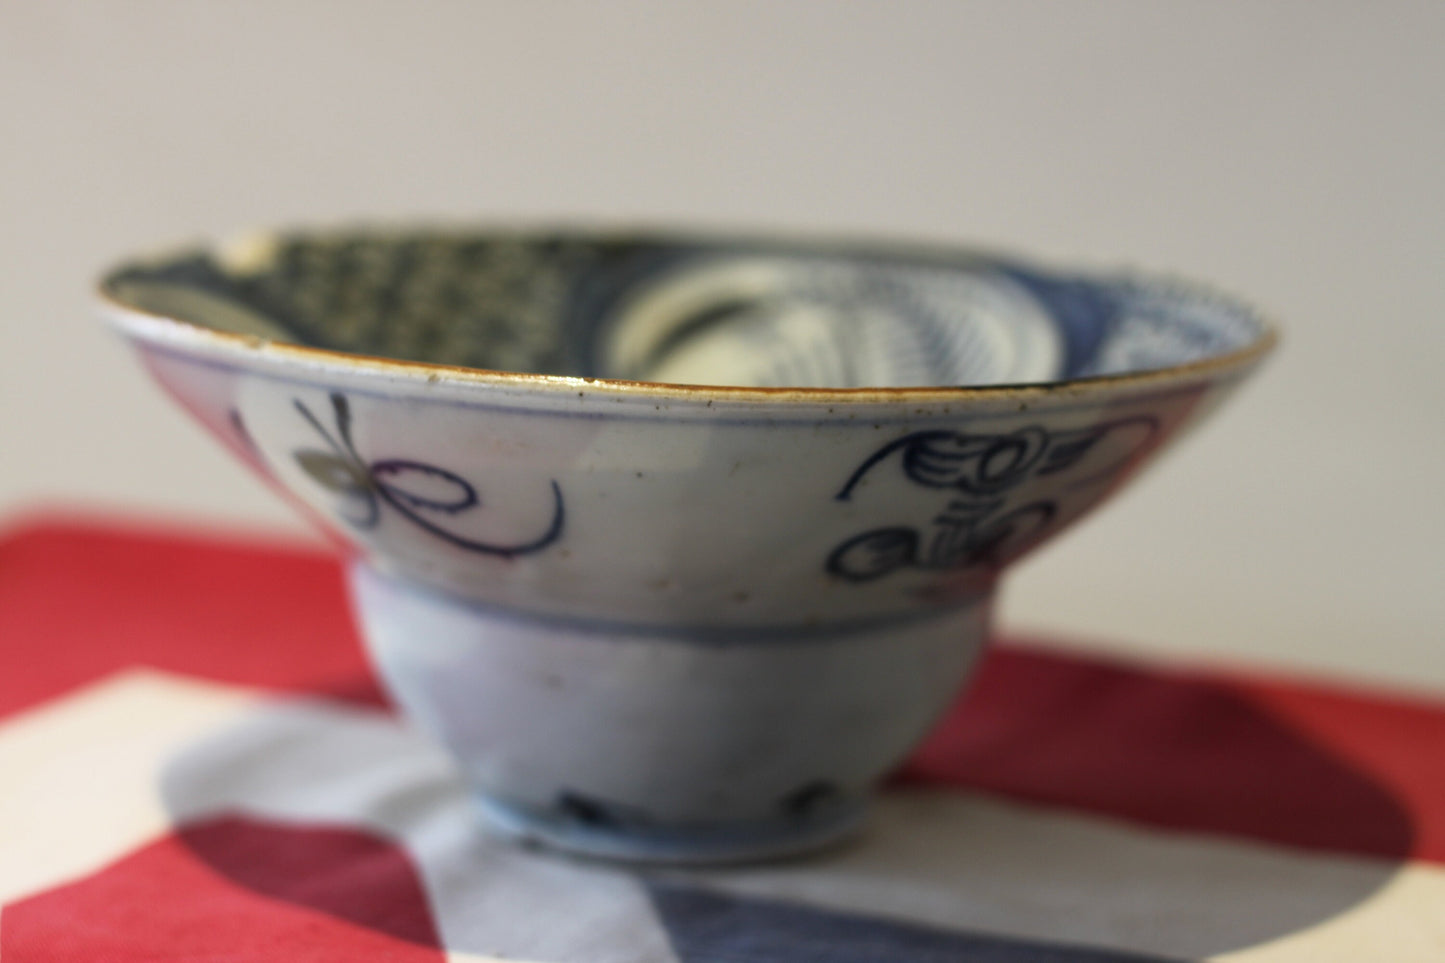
(678, 543)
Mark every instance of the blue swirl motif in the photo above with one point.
(974, 530)
(422, 494)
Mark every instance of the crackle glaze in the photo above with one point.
(654, 619)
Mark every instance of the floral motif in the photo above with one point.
(421, 493)
(974, 529)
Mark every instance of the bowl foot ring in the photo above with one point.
(576, 829)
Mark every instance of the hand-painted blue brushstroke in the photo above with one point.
(1082, 310)
(710, 927)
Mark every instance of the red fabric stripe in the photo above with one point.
(81, 601)
(1183, 751)
(1401, 748)
(234, 891)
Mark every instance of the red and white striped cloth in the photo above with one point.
(195, 764)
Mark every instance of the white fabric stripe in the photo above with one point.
(952, 859)
(80, 772)
(1404, 921)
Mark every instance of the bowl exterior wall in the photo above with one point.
(672, 624)
(602, 728)
(681, 511)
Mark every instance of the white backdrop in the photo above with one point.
(1291, 152)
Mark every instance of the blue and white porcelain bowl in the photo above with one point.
(678, 543)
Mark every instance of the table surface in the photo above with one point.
(200, 766)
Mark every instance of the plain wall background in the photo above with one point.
(1291, 152)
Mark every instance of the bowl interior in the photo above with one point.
(708, 311)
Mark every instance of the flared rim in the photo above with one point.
(164, 328)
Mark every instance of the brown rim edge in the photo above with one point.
(126, 315)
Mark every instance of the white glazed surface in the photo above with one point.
(675, 511)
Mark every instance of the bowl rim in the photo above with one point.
(159, 327)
